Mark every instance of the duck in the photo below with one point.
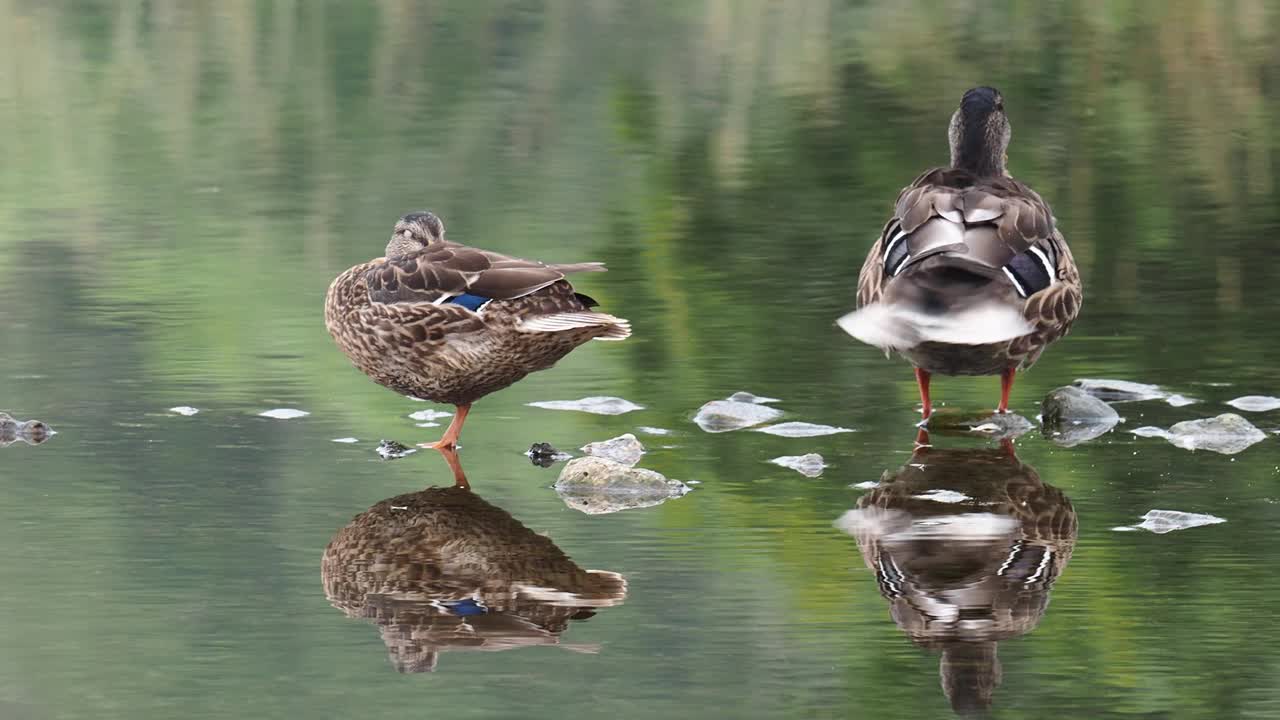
(442, 569)
(970, 274)
(440, 321)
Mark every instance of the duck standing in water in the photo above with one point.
(971, 275)
(440, 321)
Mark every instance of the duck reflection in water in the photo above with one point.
(442, 569)
(966, 545)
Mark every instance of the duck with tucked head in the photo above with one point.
(440, 321)
(971, 275)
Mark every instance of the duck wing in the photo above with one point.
(991, 223)
(446, 271)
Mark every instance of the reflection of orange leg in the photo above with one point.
(1009, 449)
(922, 380)
(1006, 384)
(449, 441)
(922, 438)
(459, 477)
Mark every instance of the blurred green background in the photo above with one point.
(181, 181)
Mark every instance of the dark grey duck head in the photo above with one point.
(980, 133)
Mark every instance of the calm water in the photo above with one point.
(179, 187)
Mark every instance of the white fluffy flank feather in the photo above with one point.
(892, 327)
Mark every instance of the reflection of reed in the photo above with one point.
(442, 569)
(962, 576)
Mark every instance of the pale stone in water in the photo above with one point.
(1227, 433)
(1150, 431)
(184, 410)
(596, 486)
(625, 449)
(428, 415)
(809, 464)
(597, 405)
(1071, 416)
(1255, 403)
(284, 413)
(725, 415)
(801, 429)
(1163, 521)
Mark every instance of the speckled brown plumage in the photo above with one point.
(397, 317)
(406, 562)
(960, 594)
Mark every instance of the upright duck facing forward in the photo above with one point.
(440, 321)
(970, 276)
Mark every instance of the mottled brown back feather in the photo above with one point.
(1017, 218)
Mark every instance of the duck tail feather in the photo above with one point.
(614, 328)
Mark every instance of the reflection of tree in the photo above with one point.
(442, 569)
(746, 149)
(962, 576)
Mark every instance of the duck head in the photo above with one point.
(413, 232)
(980, 133)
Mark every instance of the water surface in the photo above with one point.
(180, 186)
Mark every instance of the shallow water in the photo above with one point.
(181, 185)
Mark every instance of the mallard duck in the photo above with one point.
(442, 569)
(440, 321)
(970, 276)
(962, 576)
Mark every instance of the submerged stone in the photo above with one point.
(31, 432)
(392, 450)
(544, 455)
(625, 449)
(720, 416)
(596, 405)
(801, 429)
(1255, 403)
(283, 413)
(1163, 521)
(809, 464)
(596, 485)
(185, 410)
(1227, 433)
(1071, 416)
(957, 421)
(1120, 390)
